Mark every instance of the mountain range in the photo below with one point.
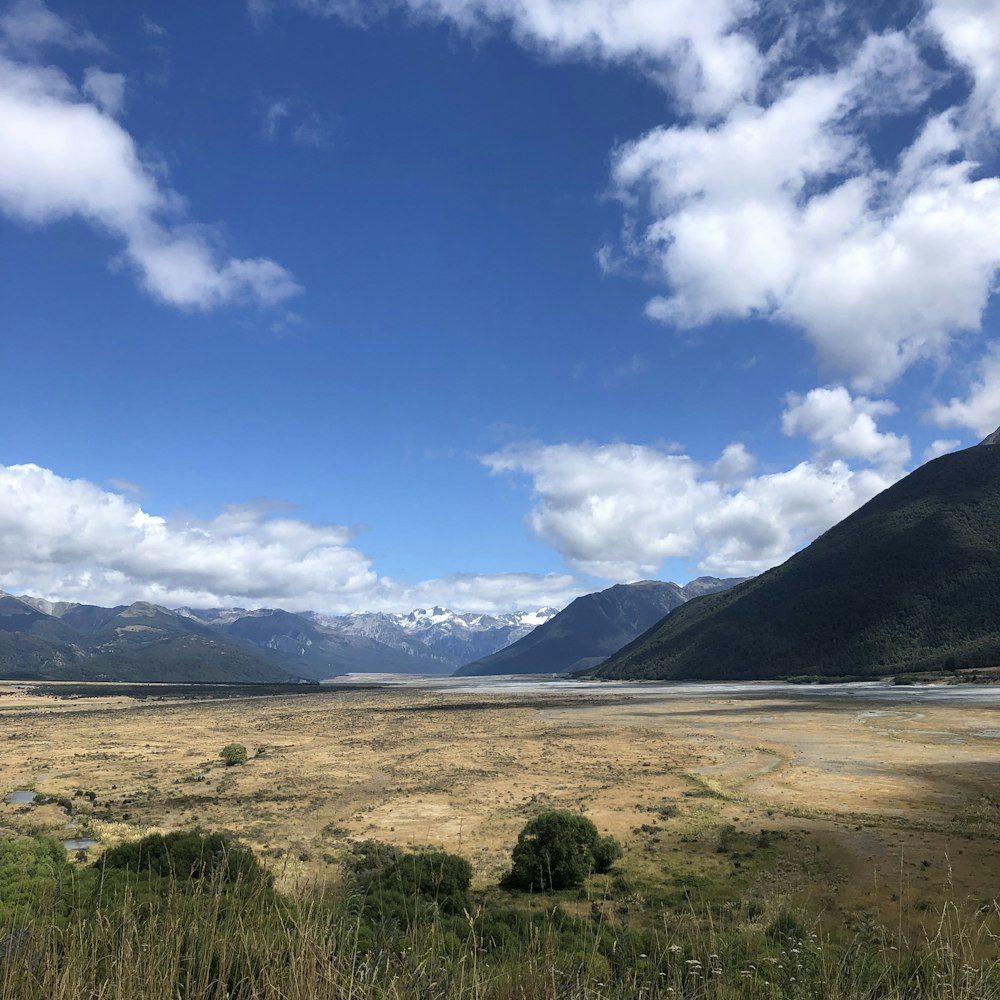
(592, 628)
(909, 582)
(440, 633)
(140, 642)
(62, 640)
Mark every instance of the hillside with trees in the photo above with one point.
(592, 628)
(909, 582)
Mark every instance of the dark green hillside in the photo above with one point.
(589, 629)
(911, 581)
(16, 616)
(141, 642)
(88, 618)
(26, 657)
(144, 640)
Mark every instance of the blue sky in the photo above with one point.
(487, 303)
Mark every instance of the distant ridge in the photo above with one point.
(592, 628)
(910, 581)
(138, 642)
(446, 637)
(143, 642)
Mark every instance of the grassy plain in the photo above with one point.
(857, 813)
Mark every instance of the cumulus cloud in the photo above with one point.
(614, 511)
(878, 266)
(69, 539)
(618, 511)
(772, 516)
(939, 447)
(969, 31)
(980, 409)
(63, 156)
(766, 199)
(841, 426)
(734, 465)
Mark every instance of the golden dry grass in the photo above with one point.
(881, 809)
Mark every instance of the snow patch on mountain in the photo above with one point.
(440, 632)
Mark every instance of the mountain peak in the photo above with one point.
(591, 628)
(993, 438)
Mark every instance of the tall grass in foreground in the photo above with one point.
(209, 941)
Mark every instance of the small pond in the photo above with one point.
(79, 844)
(23, 796)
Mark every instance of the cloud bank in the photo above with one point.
(64, 155)
(69, 539)
(617, 511)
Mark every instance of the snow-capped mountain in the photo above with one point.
(440, 632)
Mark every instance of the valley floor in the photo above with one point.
(852, 810)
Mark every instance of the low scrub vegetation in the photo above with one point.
(185, 857)
(192, 916)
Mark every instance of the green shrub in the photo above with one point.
(187, 856)
(558, 850)
(234, 753)
(607, 851)
(35, 875)
(395, 882)
(786, 926)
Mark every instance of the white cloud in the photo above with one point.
(734, 465)
(878, 268)
(980, 410)
(151, 28)
(772, 516)
(313, 130)
(614, 511)
(970, 32)
(840, 426)
(274, 113)
(486, 592)
(106, 90)
(631, 368)
(62, 157)
(126, 486)
(767, 200)
(618, 511)
(68, 539)
(27, 25)
(694, 49)
(942, 446)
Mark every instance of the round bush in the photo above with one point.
(187, 856)
(234, 753)
(558, 850)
